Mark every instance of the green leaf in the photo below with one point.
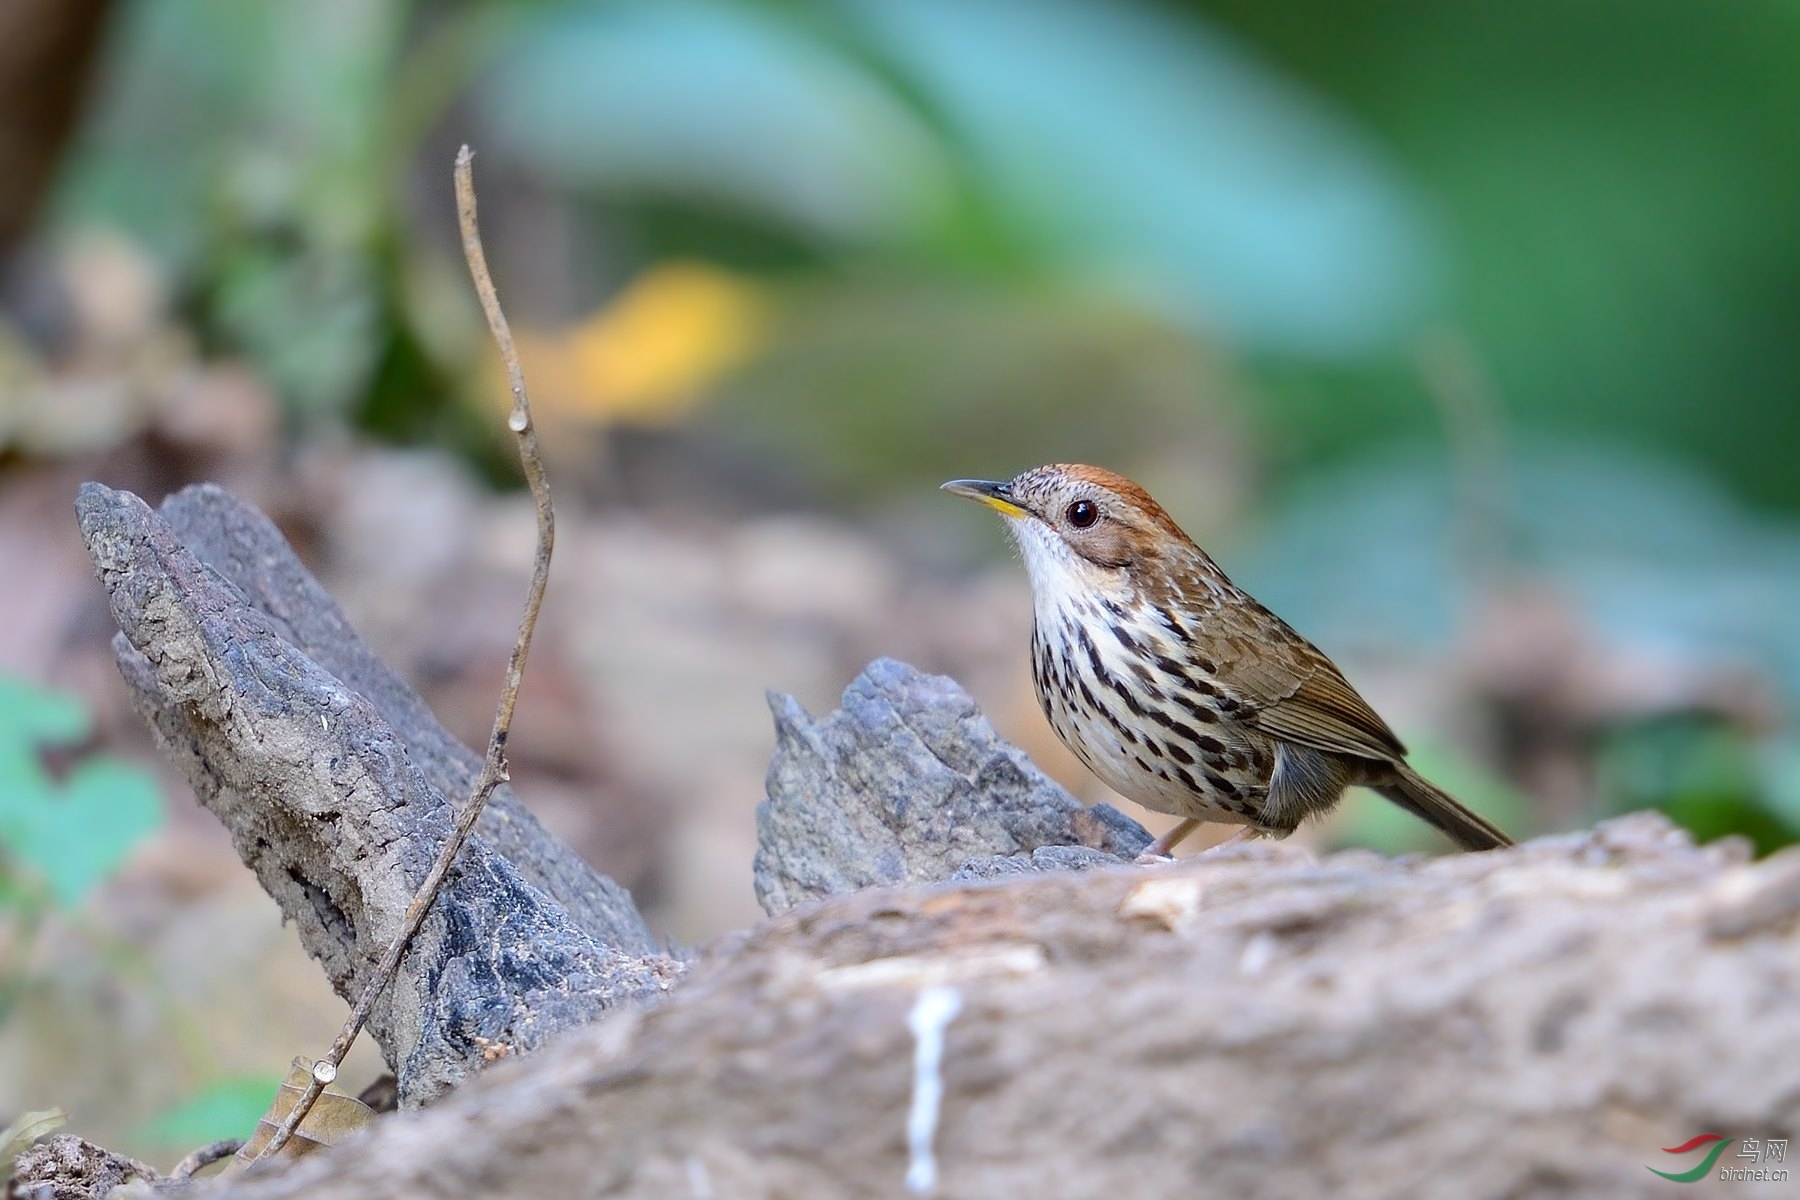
(31, 716)
(79, 837)
(76, 833)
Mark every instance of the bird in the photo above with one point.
(1175, 686)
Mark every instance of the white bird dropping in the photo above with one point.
(931, 1013)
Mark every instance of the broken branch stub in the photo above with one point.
(909, 783)
(334, 794)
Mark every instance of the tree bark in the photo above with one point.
(333, 779)
(1255, 1023)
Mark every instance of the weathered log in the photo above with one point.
(332, 777)
(1250, 1023)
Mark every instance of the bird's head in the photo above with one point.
(1085, 530)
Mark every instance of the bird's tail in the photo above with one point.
(1439, 808)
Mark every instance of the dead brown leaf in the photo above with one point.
(333, 1118)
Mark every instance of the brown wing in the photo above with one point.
(1326, 713)
(1292, 690)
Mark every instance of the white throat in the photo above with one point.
(1064, 585)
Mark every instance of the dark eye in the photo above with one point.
(1082, 513)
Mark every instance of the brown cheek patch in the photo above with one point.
(1109, 544)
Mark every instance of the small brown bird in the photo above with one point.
(1178, 689)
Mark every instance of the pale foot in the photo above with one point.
(1159, 850)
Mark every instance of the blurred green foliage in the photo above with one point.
(242, 144)
(59, 837)
(1594, 193)
(62, 834)
(1613, 197)
(1707, 777)
(227, 1108)
(1207, 234)
(68, 834)
(1171, 167)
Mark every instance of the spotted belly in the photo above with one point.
(1146, 737)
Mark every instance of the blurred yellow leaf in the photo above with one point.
(649, 356)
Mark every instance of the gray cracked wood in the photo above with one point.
(243, 546)
(907, 782)
(333, 788)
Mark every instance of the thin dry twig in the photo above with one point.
(493, 768)
(206, 1156)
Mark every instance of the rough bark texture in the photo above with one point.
(64, 1166)
(1252, 1023)
(331, 776)
(908, 783)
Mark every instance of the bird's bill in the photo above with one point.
(997, 496)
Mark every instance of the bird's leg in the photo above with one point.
(1244, 833)
(1158, 851)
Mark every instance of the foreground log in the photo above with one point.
(1252, 1023)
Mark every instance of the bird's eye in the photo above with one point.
(1082, 514)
